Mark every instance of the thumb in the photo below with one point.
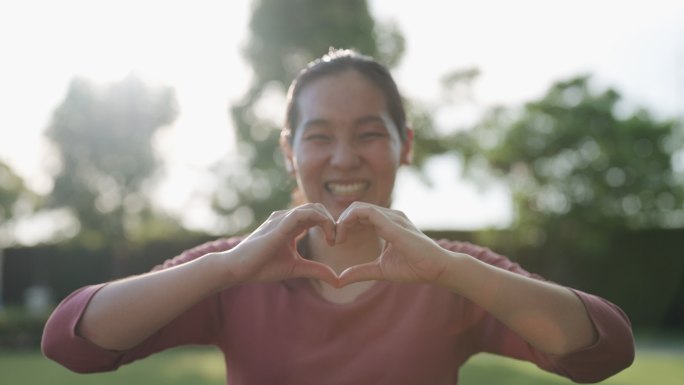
(364, 272)
(311, 269)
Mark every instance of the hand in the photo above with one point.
(407, 256)
(270, 252)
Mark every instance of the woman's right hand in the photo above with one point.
(270, 252)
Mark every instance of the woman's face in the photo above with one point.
(345, 146)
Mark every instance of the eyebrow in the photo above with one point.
(321, 122)
(318, 122)
(368, 119)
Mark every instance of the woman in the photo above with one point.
(342, 289)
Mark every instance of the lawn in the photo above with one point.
(203, 366)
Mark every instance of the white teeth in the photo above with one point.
(346, 189)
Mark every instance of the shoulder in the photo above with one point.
(221, 244)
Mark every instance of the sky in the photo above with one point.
(520, 47)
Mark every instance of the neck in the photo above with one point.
(361, 246)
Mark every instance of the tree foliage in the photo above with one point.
(11, 189)
(16, 201)
(284, 36)
(579, 166)
(103, 135)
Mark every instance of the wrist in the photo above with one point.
(456, 271)
(220, 270)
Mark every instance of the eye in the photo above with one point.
(317, 137)
(371, 135)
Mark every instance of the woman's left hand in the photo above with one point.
(407, 256)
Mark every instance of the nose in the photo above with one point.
(345, 155)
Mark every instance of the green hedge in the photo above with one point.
(641, 271)
(19, 329)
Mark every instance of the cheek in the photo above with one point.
(307, 162)
(384, 158)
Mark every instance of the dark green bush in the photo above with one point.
(20, 329)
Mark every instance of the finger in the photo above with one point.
(329, 228)
(355, 215)
(295, 241)
(311, 269)
(328, 224)
(301, 219)
(364, 272)
(345, 221)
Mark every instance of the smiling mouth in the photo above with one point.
(346, 188)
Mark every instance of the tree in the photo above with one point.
(284, 36)
(16, 201)
(595, 190)
(103, 135)
(579, 167)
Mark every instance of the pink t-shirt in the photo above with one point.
(285, 333)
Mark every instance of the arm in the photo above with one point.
(612, 351)
(551, 318)
(63, 341)
(125, 312)
(122, 314)
(548, 316)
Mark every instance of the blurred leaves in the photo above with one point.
(579, 166)
(575, 161)
(103, 135)
(11, 189)
(287, 34)
(16, 201)
(284, 36)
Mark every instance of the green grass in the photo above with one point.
(650, 367)
(197, 366)
(204, 366)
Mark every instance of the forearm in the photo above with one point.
(125, 312)
(548, 316)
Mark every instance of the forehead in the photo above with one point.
(346, 94)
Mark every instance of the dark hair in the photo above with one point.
(339, 60)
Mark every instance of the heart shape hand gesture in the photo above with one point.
(270, 253)
(409, 256)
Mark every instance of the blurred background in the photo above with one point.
(548, 131)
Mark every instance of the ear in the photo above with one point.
(286, 148)
(406, 156)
